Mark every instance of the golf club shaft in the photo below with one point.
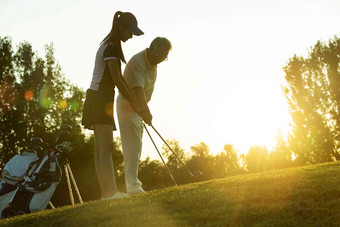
(172, 150)
(173, 179)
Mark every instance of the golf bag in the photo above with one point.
(12, 175)
(40, 180)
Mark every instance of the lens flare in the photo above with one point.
(74, 105)
(63, 104)
(45, 100)
(28, 95)
(109, 109)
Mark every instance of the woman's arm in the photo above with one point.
(118, 80)
(136, 97)
(139, 93)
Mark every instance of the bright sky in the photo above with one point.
(222, 82)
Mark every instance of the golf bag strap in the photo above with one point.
(27, 179)
(6, 187)
(42, 181)
(13, 180)
(31, 166)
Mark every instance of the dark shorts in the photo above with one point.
(98, 108)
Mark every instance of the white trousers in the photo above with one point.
(131, 133)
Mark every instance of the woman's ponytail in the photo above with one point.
(114, 35)
(114, 27)
(116, 17)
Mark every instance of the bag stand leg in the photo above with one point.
(51, 205)
(74, 183)
(69, 185)
(69, 174)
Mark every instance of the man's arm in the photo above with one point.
(139, 94)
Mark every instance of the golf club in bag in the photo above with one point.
(194, 175)
(15, 169)
(30, 179)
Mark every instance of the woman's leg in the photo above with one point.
(97, 164)
(104, 137)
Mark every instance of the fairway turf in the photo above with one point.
(304, 196)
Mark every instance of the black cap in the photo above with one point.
(130, 21)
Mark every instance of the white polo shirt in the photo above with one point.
(139, 73)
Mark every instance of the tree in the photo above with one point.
(227, 162)
(152, 174)
(35, 98)
(232, 159)
(281, 156)
(313, 96)
(172, 160)
(177, 169)
(9, 114)
(256, 159)
(201, 160)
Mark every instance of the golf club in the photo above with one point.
(63, 131)
(173, 179)
(196, 174)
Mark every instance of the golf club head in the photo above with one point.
(35, 141)
(197, 174)
(65, 127)
(38, 149)
(65, 147)
(61, 136)
(63, 133)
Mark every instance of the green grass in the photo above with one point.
(305, 196)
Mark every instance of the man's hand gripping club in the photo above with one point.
(141, 106)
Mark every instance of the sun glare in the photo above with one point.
(221, 86)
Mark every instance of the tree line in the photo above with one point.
(36, 97)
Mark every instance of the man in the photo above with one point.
(140, 75)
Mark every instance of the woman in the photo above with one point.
(98, 107)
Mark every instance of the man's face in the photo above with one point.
(157, 56)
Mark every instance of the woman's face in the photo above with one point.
(126, 34)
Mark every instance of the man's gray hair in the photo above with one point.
(161, 44)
